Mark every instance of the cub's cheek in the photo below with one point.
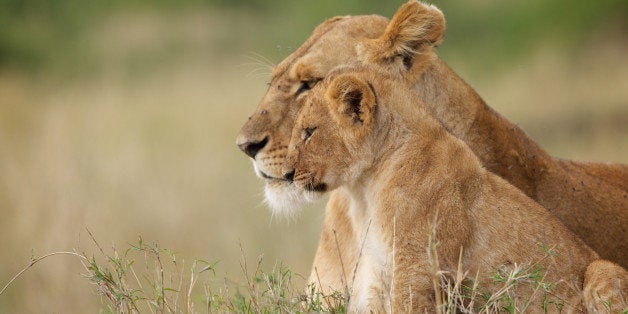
(317, 181)
(306, 181)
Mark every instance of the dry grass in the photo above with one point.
(512, 289)
(126, 152)
(143, 277)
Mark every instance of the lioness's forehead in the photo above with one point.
(331, 44)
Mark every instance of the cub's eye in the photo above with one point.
(307, 133)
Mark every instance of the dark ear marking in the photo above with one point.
(353, 99)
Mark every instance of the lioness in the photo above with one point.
(401, 168)
(589, 198)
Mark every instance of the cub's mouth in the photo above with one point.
(321, 187)
(308, 181)
(315, 187)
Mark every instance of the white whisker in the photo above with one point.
(261, 59)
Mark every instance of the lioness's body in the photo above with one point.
(402, 170)
(594, 207)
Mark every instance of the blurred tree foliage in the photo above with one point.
(37, 33)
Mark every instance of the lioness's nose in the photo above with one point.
(252, 148)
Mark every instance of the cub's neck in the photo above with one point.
(414, 154)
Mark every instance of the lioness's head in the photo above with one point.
(266, 134)
(339, 41)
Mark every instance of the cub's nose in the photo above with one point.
(252, 148)
(289, 176)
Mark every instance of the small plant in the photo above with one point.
(460, 293)
(161, 286)
(275, 292)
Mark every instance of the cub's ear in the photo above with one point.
(415, 28)
(351, 101)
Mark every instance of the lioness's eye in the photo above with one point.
(305, 86)
(307, 132)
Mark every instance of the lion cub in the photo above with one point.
(404, 172)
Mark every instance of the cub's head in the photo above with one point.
(331, 141)
(266, 134)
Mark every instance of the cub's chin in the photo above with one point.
(286, 199)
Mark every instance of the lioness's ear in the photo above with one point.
(413, 29)
(352, 101)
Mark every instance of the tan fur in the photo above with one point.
(402, 170)
(606, 288)
(589, 198)
(338, 251)
(614, 174)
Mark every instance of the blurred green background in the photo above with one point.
(121, 116)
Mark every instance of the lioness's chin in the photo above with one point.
(285, 199)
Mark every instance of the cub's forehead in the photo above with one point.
(315, 106)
